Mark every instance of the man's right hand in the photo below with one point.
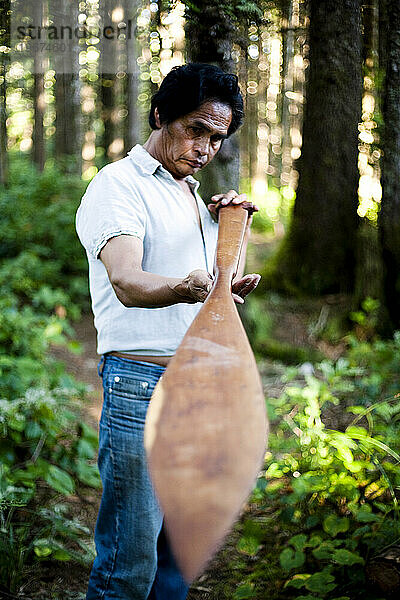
(122, 257)
(193, 288)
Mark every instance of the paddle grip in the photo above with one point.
(232, 222)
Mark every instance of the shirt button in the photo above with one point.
(110, 390)
(144, 384)
(116, 379)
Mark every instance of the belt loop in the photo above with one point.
(100, 366)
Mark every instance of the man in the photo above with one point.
(150, 242)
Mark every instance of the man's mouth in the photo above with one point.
(195, 164)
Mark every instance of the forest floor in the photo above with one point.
(294, 326)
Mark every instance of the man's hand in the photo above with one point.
(232, 197)
(244, 286)
(195, 287)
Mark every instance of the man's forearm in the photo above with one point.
(148, 290)
(141, 289)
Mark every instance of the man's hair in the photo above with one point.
(187, 87)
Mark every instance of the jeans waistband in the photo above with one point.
(133, 365)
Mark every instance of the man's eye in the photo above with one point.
(195, 130)
(215, 139)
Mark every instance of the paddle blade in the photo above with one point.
(205, 434)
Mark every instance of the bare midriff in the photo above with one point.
(158, 360)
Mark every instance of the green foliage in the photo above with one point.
(45, 449)
(332, 493)
(37, 231)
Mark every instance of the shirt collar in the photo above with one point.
(148, 165)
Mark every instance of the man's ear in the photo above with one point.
(157, 118)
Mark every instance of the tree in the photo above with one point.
(389, 217)
(5, 43)
(67, 89)
(108, 80)
(211, 29)
(131, 125)
(318, 253)
(38, 97)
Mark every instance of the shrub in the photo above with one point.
(333, 493)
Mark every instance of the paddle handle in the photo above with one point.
(231, 228)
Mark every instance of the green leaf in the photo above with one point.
(365, 515)
(298, 580)
(324, 551)
(248, 545)
(42, 548)
(290, 559)
(59, 480)
(321, 582)
(61, 554)
(85, 449)
(33, 430)
(345, 557)
(334, 525)
(243, 591)
(298, 541)
(89, 475)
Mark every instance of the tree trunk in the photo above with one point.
(108, 82)
(209, 36)
(4, 41)
(38, 99)
(67, 93)
(318, 254)
(384, 28)
(389, 218)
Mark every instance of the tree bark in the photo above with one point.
(131, 124)
(108, 83)
(318, 254)
(389, 217)
(67, 94)
(38, 99)
(4, 41)
(210, 33)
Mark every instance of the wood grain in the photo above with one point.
(206, 427)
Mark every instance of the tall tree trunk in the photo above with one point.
(67, 90)
(389, 218)
(4, 41)
(39, 105)
(131, 125)
(108, 81)
(318, 254)
(384, 28)
(209, 36)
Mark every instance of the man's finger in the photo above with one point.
(237, 299)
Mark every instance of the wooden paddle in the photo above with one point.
(206, 427)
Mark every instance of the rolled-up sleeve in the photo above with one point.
(110, 207)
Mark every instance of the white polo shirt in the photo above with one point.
(137, 196)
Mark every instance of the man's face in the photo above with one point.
(191, 142)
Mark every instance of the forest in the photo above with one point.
(319, 153)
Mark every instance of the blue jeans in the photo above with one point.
(133, 559)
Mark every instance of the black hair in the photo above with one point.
(187, 87)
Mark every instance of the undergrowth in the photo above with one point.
(45, 449)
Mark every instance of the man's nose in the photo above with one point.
(202, 146)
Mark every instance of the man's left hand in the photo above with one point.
(244, 286)
(232, 197)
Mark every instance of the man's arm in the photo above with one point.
(122, 256)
